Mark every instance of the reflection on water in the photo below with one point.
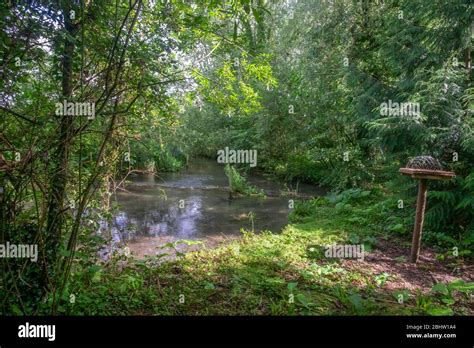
(192, 204)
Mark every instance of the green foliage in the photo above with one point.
(445, 294)
(238, 184)
(235, 94)
(332, 82)
(347, 196)
(451, 214)
(269, 274)
(134, 63)
(182, 78)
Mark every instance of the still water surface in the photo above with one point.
(194, 204)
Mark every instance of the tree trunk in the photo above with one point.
(55, 218)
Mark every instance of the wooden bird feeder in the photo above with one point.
(423, 168)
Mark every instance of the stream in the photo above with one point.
(195, 204)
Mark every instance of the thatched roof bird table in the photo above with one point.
(423, 168)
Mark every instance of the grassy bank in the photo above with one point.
(287, 273)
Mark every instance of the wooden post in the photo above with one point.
(423, 175)
(419, 219)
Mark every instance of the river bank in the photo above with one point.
(284, 274)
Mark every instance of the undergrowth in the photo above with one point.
(271, 274)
